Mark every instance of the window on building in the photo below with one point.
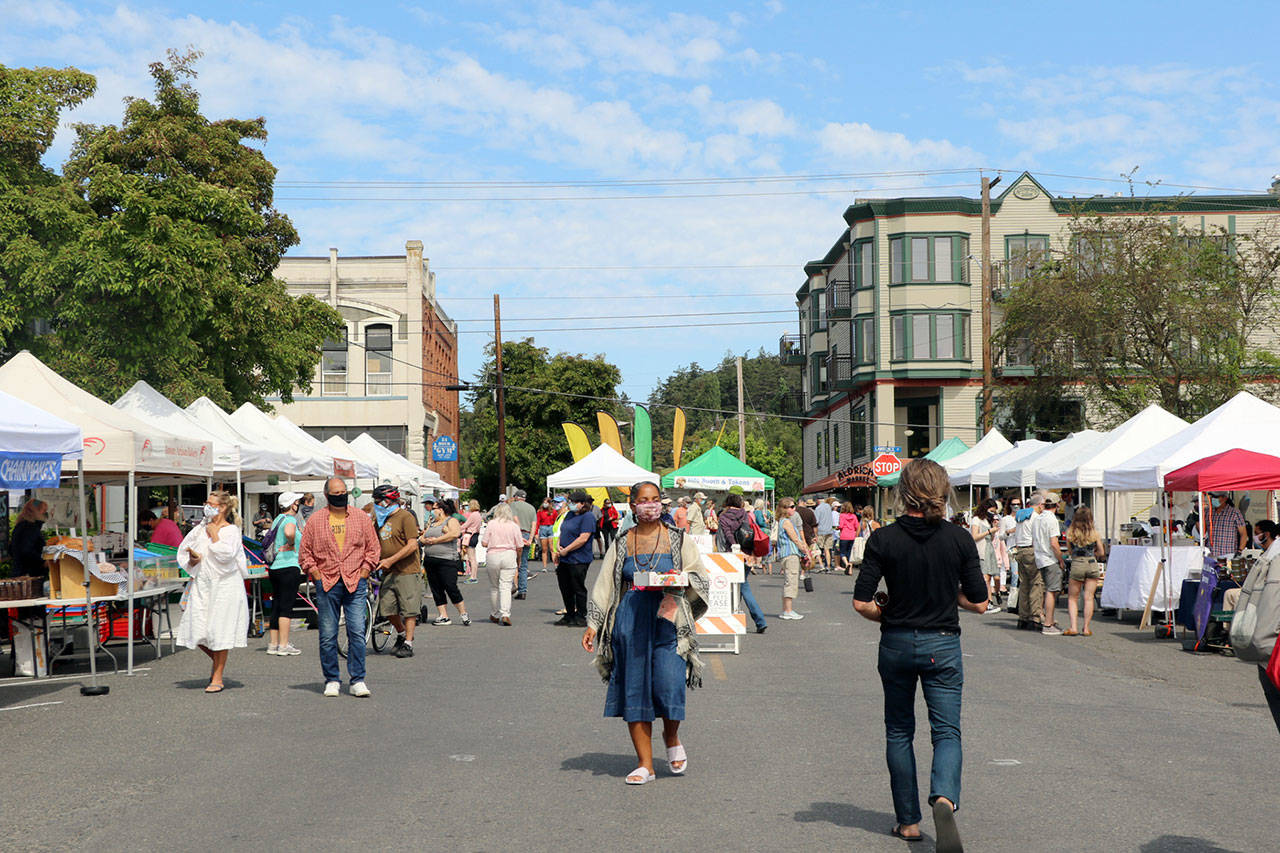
(819, 310)
(1024, 253)
(858, 433)
(377, 360)
(333, 367)
(864, 264)
(835, 446)
(866, 340)
(930, 258)
(927, 335)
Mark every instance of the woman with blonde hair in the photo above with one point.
(930, 568)
(1085, 544)
(216, 618)
(470, 538)
(503, 540)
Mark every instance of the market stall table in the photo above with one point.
(1132, 568)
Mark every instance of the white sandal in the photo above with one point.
(639, 776)
(677, 755)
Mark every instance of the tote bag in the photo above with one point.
(1256, 623)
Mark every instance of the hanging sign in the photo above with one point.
(30, 470)
(444, 449)
(855, 475)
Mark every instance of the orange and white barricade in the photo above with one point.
(726, 572)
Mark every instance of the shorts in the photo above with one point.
(545, 532)
(846, 548)
(1085, 568)
(824, 541)
(1052, 576)
(401, 595)
(791, 576)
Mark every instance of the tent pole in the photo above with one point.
(1200, 517)
(94, 689)
(130, 527)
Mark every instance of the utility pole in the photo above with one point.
(987, 284)
(502, 400)
(742, 422)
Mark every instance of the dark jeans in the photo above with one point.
(933, 658)
(1273, 695)
(284, 591)
(522, 573)
(749, 599)
(573, 588)
(352, 604)
(442, 577)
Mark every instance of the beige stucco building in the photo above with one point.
(891, 318)
(385, 376)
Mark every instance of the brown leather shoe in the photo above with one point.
(506, 620)
(493, 619)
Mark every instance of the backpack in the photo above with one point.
(1257, 616)
(268, 543)
(759, 539)
(744, 537)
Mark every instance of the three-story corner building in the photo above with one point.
(385, 375)
(891, 317)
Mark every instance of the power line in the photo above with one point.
(594, 268)
(626, 316)
(612, 182)
(656, 326)
(627, 197)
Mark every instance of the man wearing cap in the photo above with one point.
(697, 523)
(527, 518)
(1030, 585)
(401, 566)
(1049, 563)
(574, 558)
(1227, 533)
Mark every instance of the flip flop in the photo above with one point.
(676, 754)
(944, 824)
(640, 776)
(212, 689)
(897, 833)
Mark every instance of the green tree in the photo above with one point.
(157, 260)
(536, 443)
(772, 445)
(1139, 310)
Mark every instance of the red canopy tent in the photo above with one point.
(1231, 470)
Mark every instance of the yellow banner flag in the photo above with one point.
(580, 447)
(609, 435)
(677, 437)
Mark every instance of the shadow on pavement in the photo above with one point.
(847, 815)
(1182, 844)
(17, 693)
(202, 683)
(316, 687)
(601, 763)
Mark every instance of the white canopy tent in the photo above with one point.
(342, 465)
(1243, 422)
(1022, 472)
(26, 428)
(426, 479)
(116, 444)
(601, 468)
(258, 426)
(980, 473)
(1084, 471)
(991, 444)
(254, 457)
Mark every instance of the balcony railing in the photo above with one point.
(840, 371)
(791, 349)
(839, 300)
(793, 403)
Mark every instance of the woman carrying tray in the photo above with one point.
(644, 640)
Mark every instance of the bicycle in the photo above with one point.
(379, 633)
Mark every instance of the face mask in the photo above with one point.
(647, 511)
(576, 507)
(210, 512)
(338, 501)
(1217, 503)
(382, 513)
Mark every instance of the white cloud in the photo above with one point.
(863, 148)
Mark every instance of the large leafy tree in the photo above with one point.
(152, 255)
(1137, 310)
(536, 443)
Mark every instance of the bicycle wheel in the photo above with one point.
(382, 635)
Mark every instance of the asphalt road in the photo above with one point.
(492, 738)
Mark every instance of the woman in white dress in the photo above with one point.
(217, 615)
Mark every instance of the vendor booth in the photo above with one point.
(1021, 473)
(426, 480)
(718, 470)
(305, 460)
(117, 447)
(294, 462)
(979, 474)
(991, 444)
(601, 468)
(949, 449)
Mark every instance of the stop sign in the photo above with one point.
(886, 464)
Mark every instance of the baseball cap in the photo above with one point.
(559, 499)
(289, 498)
(520, 493)
(502, 499)
(700, 496)
(1052, 498)
(666, 501)
(428, 499)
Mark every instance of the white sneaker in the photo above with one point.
(359, 688)
(994, 608)
(273, 650)
(289, 649)
(332, 688)
(789, 614)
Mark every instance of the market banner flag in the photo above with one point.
(643, 439)
(609, 431)
(677, 437)
(580, 446)
(30, 470)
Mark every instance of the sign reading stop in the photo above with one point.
(886, 464)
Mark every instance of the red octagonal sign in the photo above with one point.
(886, 464)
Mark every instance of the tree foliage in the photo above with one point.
(1139, 310)
(536, 443)
(152, 255)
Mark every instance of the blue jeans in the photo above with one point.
(522, 584)
(353, 605)
(934, 659)
(749, 599)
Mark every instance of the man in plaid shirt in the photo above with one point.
(1226, 527)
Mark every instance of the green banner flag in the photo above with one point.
(643, 439)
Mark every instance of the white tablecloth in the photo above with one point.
(1131, 568)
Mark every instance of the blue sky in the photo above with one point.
(389, 94)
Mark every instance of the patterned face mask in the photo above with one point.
(648, 511)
